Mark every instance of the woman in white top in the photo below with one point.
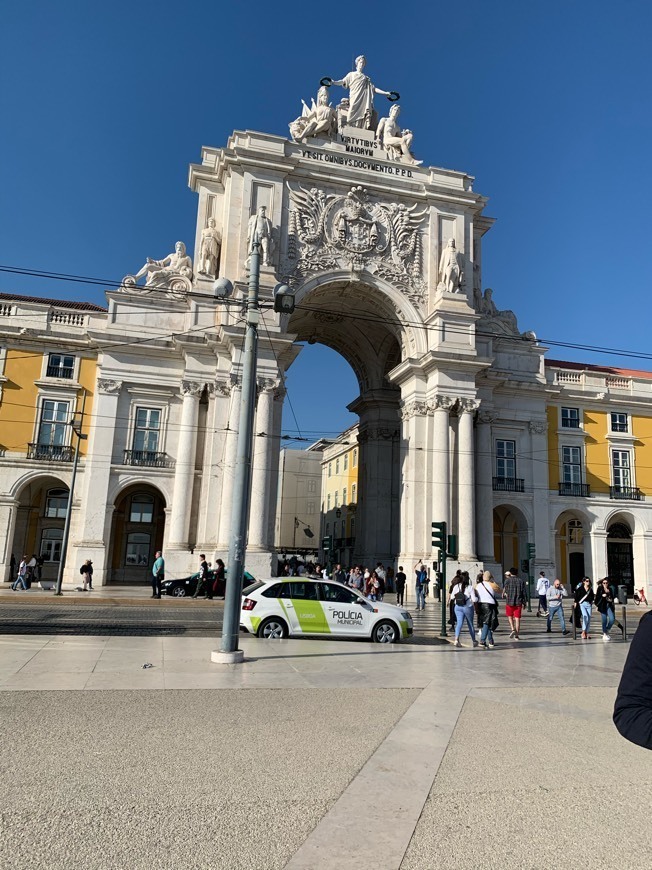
(487, 591)
(464, 597)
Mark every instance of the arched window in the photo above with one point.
(137, 552)
(619, 530)
(575, 532)
(56, 503)
(51, 545)
(142, 508)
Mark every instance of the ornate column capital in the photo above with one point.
(192, 388)
(280, 393)
(471, 405)
(487, 415)
(440, 403)
(223, 388)
(108, 387)
(267, 385)
(538, 427)
(414, 409)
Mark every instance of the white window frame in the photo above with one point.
(355, 457)
(629, 467)
(354, 492)
(337, 465)
(344, 493)
(579, 418)
(346, 462)
(52, 539)
(579, 464)
(162, 406)
(40, 407)
(310, 508)
(624, 431)
(505, 458)
(56, 516)
(49, 379)
(337, 498)
(328, 502)
(330, 469)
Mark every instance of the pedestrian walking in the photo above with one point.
(451, 604)
(400, 580)
(583, 605)
(515, 600)
(158, 574)
(86, 571)
(486, 591)
(464, 597)
(22, 574)
(604, 602)
(633, 707)
(202, 580)
(555, 595)
(30, 576)
(12, 568)
(390, 580)
(339, 576)
(219, 580)
(543, 584)
(420, 579)
(382, 575)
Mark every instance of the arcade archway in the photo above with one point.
(137, 530)
(40, 518)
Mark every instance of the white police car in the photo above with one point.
(304, 607)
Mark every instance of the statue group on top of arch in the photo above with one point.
(321, 119)
(172, 274)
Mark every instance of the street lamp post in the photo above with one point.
(283, 297)
(76, 426)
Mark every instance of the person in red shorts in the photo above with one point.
(514, 593)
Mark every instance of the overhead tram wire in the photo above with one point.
(367, 318)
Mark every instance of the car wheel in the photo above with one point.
(272, 628)
(385, 632)
(179, 592)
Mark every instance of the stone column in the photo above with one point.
(275, 447)
(466, 485)
(8, 510)
(540, 534)
(263, 444)
(228, 470)
(184, 469)
(440, 407)
(415, 533)
(91, 541)
(484, 487)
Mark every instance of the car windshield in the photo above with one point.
(252, 588)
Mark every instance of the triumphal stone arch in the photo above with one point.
(384, 254)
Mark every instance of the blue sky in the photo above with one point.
(547, 104)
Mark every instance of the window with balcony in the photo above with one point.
(52, 440)
(51, 545)
(56, 504)
(571, 466)
(60, 366)
(619, 422)
(570, 418)
(505, 479)
(621, 475)
(142, 509)
(146, 440)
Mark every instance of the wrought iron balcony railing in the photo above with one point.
(149, 458)
(50, 452)
(631, 493)
(580, 490)
(60, 372)
(508, 484)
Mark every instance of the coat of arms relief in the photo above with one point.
(353, 231)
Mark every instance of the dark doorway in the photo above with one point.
(620, 559)
(575, 568)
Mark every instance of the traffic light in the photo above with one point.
(439, 541)
(452, 547)
(531, 551)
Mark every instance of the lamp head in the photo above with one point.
(222, 288)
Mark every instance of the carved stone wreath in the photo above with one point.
(331, 231)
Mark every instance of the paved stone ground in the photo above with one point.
(179, 779)
(537, 778)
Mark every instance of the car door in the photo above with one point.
(303, 608)
(344, 613)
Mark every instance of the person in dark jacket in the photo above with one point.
(582, 608)
(604, 601)
(633, 707)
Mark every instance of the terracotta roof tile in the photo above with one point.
(58, 303)
(609, 370)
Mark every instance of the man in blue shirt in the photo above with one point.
(158, 574)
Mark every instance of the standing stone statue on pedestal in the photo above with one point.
(451, 272)
(209, 252)
(361, 95)
(260, 228)
(396, 142)
(318, 120)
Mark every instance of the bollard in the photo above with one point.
(624, 622)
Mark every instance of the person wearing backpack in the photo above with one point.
(464, 597)
(86, 571)
(421, 581)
